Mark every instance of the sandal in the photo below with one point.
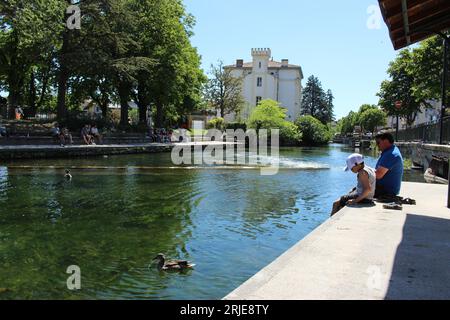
(409, 201)
(393, 206)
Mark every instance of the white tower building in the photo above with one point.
(264, 78)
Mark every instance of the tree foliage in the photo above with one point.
(313, 131)
(125, 50)
(268, 114)
(316, 102)
(415, 79)
(369, 117)
(224, 91)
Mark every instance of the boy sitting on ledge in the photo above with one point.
(365, 189)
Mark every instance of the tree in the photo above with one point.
(223, 90)
(173, 85)
(370, 119)
(316, 102)
(427, 68)
(28, 31)
(348, 123)
(268, 114)
(125, 49)
(313, 131)
(401, 88)
(415, 79)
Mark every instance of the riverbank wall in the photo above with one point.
(421, 154)
(52, 151)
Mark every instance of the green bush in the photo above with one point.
(217, 123)
(236, 126)
(269, 115)
(313, 131)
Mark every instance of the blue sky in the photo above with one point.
(329, 39)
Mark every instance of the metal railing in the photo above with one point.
(427, 133)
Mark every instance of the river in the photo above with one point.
(119, 212)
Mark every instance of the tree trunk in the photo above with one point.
(159, 115)
(13, 98)
(45, 79)
(63, 76)
(31, 111)
(142, 113)
(124, 94)
(143, 103)
(104, 108)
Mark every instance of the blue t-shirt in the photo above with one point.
(392, 160)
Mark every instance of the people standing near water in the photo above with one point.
(366, 183)
(389, 168)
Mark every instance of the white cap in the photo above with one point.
(353, 160)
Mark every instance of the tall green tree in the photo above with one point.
(401, 88)
(28, 32)
(348, 123)
(173, 84)
(427, 68)
(316, 102)
(371, 119)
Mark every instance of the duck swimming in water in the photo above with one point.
(176, 265)
(68, 176)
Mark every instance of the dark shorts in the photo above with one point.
(380, 192)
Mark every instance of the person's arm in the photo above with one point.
(381, 172)
(364, 178)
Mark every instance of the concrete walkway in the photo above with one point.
(366, 253)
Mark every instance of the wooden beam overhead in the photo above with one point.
(410, 21)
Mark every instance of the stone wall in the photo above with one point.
(29, 152)
(421, 154)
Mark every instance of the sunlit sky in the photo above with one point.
(330, 39)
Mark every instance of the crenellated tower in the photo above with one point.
(261, 58)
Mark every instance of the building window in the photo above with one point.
(259, 82)
(260, 65)
(258, 100)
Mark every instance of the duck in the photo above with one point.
(68, 176)
(175, 265)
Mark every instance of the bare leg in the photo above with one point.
(62, 141)
(336, 207)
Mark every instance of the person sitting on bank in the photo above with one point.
(389, 168)
(56, 134)
(366, 183)
(66, 136)
(96, 134)
(86, 134)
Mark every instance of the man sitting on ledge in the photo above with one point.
(389, 168)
